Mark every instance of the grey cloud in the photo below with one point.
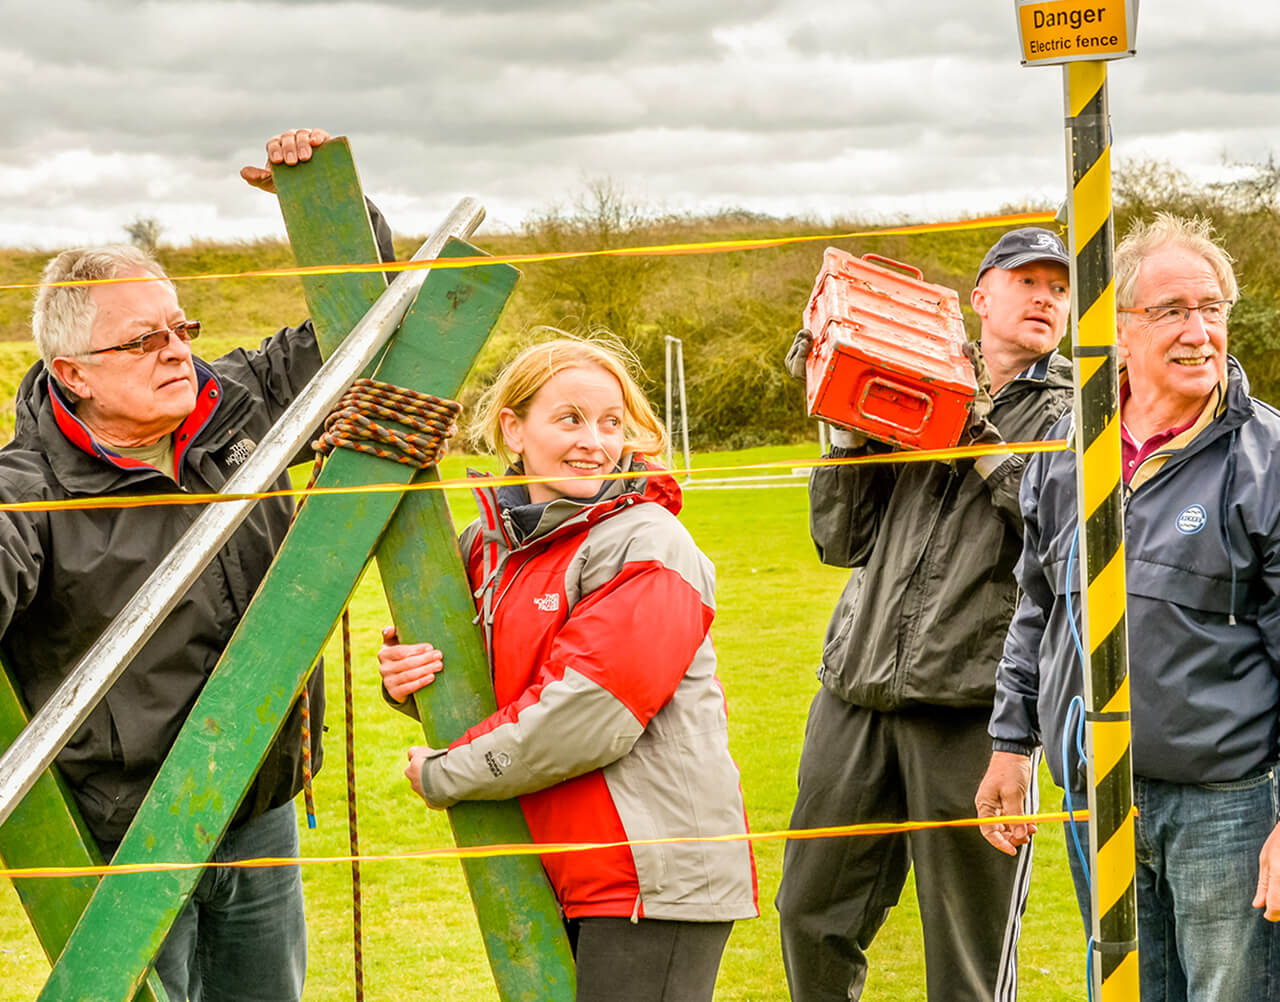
(759, 103)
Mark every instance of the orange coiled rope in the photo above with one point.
(351, 425)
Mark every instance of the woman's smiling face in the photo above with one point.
(573, 427)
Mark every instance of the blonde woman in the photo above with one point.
(610, 727)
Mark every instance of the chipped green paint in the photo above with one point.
(203, 803)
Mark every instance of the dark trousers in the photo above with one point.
(861, 765)
(650, 960)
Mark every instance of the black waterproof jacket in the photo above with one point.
(65, 575)
(924, 620)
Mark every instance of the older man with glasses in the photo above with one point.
(1202, 562)
(119, 405)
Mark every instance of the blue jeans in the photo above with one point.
(1199, 938)
(242, 936)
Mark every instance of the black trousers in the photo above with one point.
(860, 765)
(650, 960)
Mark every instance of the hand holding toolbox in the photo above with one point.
(888, 356)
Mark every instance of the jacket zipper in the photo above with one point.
(907, 638)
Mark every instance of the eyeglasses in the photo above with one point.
(1212, 314)
(186, 331)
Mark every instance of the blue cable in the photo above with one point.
(1066, 590)
(1076, 706)
(1075, 710)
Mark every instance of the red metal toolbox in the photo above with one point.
(887, 357)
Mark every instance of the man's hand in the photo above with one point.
(290, 147)
(798, 354)
(1003, 790)
(1268, 896)
(413, 771)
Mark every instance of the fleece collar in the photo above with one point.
(505, 520)
(74, 431)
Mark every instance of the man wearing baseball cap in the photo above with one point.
(898, 728)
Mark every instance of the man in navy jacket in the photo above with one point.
(1202, 563)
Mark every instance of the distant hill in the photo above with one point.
(735, 311)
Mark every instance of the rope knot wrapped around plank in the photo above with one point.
(430, 421)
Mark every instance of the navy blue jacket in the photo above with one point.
(1202, 567)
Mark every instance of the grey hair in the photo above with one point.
(62, 317)
(1167, 230)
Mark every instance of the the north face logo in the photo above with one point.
(550, 602)
(498, 762)
(241, 451)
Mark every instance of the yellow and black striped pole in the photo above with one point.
(1101, 520)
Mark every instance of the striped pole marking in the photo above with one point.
(1097, 442)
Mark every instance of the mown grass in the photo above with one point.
(420, 936)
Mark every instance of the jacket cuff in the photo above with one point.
(992, 463)
(845, 439)
(431, 768)
(409, 707)
(1012, 747)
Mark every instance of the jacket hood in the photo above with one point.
(33, 392)
(1238, 399)
(567, 515)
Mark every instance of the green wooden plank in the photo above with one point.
(517, 911)
(340, 233)
(245, 701)
(430, 599)
(46, 829)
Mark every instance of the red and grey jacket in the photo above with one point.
(611, 721)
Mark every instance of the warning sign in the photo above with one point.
(1061, 31)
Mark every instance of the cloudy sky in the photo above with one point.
(115, 110)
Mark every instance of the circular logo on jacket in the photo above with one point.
(1191, 520)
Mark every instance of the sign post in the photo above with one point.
(1080, 36)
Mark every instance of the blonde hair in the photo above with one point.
(522, 377)
(1168, 230)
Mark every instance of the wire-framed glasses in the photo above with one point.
(185, 331)
(1212, 314)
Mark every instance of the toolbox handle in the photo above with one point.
(877, 382)
(897, 264)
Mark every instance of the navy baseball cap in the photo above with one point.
(1019, 247)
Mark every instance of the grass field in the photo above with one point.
(420, 937)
